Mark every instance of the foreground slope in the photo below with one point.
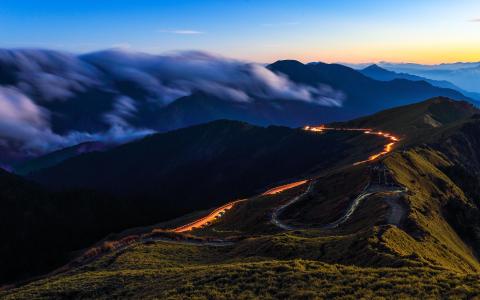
(173, 271)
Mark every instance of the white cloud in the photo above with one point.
(182, 31)
(156, 80)
(24, 123)
(169, 77)
(123, 107)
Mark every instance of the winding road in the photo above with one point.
(397, 211)
(215, 214)
(378, 184)
(281, 208)
(369, 190)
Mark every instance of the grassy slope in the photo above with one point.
(173, 271)
(430, 189)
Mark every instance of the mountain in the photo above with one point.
(116, 96)
(223, 159)
(413, 233)
(426, 117)
(151, 180)
(202, 108)
(378, 73)
(56, 157)
(463, 75)
(364, 95)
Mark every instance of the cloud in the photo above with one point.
(168, 77)
(182, 31)
(48, 74)
(23, 124)
(25, 130)
(119, 88)
(123, 108)
(117, 134)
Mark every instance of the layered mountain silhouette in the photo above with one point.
(378, 73)
(463, 75)
(364, 95)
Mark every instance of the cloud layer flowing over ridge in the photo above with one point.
(50, 100)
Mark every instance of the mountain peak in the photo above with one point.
(287, 64)
(376, 69)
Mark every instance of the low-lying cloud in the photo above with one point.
(23, 123)
(33, 80)
(25, 128)
(171, 76)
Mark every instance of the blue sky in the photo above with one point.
(345, 30)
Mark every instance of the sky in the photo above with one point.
(423, 31)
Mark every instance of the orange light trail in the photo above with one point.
(218, 212)
(279, 189)
(386, 149)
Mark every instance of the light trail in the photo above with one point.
(218, 212)
(386, 149)
(282, 188)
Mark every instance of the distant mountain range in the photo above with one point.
(464, 75)
(378, 73)
(56, 100)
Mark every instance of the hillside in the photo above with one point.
(175, 173)
(43, 228)
(56, 157)
(168, 270)
(414, 235)
(224, 160)
(425, 119)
